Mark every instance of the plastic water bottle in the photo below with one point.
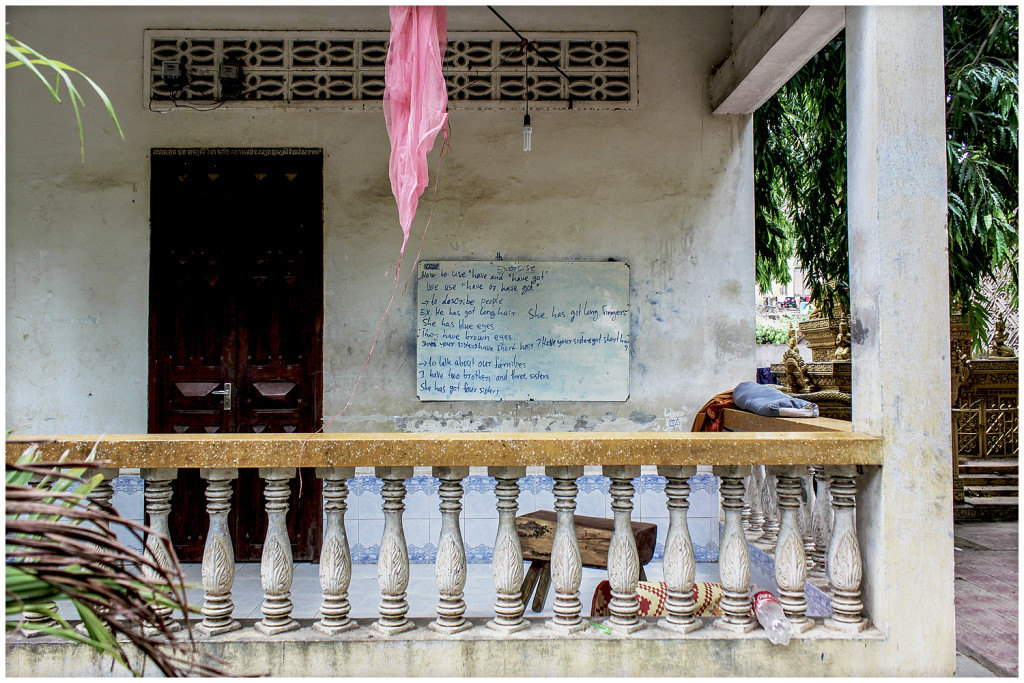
(769, 614)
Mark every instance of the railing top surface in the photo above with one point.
(491, 448)
(743, 421)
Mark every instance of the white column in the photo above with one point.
(393, 561)
(507, 565)
(733, 556)
(623, 558)
(679, 564)
(790, 561)
(450, 565)
(276, 568)
(566, 564)
(897, 192)
(158, 482)
(335, 556)
(218, 554)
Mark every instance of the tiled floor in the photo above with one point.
(986, 584)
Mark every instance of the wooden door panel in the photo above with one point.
(237, 296)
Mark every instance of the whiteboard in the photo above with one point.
(522, 330)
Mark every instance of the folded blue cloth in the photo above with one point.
(766, 400)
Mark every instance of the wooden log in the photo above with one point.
(537, 532)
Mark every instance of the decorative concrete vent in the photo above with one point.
(311, 69)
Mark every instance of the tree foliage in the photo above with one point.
(800, 164)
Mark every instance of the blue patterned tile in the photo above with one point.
(592, 503)
(369, 532)
(706, 553)
(662, 523)
(651, 482)
(700, 531)
(128, 484)
(480, 504)
(481, 554)
(478, 483)
(368, 505)
(700, 502)
(702, 481)
(590, 483)
(419, 505)
(652, 503)
(362, 554)
(480, 532)
(361, 484)
(424, 484)
(417, 532)
(129, 505)
(536, 483)
(423, 554)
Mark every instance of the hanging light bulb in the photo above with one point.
(527, 128)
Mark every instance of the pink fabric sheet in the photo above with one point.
(415, 99)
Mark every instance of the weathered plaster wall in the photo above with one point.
(665, 187)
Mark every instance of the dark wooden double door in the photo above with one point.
(236, 316)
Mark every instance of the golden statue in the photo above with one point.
(999, 347)
(798, 379)
(816, 312)
(843, 342)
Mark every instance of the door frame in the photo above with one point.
(316, 280)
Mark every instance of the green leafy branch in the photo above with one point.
(26, 56)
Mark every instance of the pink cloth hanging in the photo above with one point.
(415, 99)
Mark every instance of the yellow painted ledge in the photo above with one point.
(476, 449)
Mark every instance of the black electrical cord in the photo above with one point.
(523, 38)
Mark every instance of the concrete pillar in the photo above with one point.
(900, 326)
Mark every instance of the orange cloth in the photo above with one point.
(709, 418)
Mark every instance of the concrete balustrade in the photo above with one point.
(745, 492)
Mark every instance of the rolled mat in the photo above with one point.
(652, 596)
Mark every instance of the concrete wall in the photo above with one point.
(666, 187)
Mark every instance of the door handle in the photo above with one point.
(226, 393)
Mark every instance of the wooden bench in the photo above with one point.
(537, 534)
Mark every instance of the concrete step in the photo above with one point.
(989, 466)
(987, 509)
(991, 491)
(989, 479)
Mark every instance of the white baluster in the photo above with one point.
(679, 564)
(623, 558)
(335, 557)
(450, 566)
(158, 506)
(790, 561)
(218, 554)
(845, 569)
(507, 565)
(770, 507)
(806, 505)
(393, 562)
(755, 488)
(276, 568)
(733, 556)
(101, 494)
(566, 564)
(36, 618)
(821, 521)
